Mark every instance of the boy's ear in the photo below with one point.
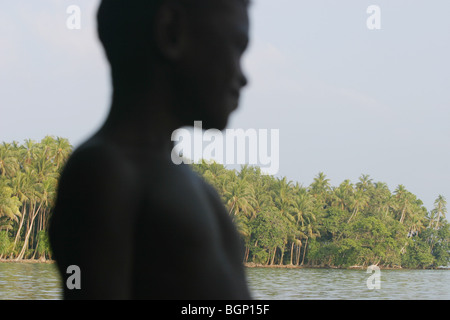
(171, 34)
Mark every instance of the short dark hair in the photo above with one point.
(125, 29)
(122, 24)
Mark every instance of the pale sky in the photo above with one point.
(346, 100)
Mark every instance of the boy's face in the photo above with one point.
(209, 78)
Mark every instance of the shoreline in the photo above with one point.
(255, 265)
(27, 261)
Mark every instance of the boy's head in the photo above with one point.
(190, 49)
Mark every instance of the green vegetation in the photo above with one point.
(361, 224)
(281, 222)
(28, 180)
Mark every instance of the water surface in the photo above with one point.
(342, 284)
(41, 281)
(29, 281)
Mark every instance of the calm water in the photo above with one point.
(41, 281)
(334, 284)
(29, 281)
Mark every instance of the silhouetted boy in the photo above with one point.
(137, 225)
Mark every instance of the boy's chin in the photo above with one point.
(211, 121)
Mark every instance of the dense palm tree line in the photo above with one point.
(281, 222)
(362, 223)
(29, 175)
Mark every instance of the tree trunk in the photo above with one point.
(403, 215)
(297, 258)
(304, 251)
(25, 244)
(24, 212)
(256, 244)
(273, 257)
(269, 256)
(232, 207)
(292, 252)
(34, 253)
(354, 213)
(437, 221)
(247, 251)
(282, 255)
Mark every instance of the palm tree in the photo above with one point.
(310, 231)
(381, 199)
(30, 149)
(39, 173)
(9, 204)
(263, 197)
(212, 172)
(404, 202)
(61, 150)
(416, 222)
(5, 223)
(304, 221)
(364, 182)
(342, 195)
(23, 186)
(9, 209)
(440, 210)
(248, 173)
(320, 191)
(44, 166)
(28, 175)
(40, 198)
(282, 204)
(8, 160)
(320, 185)
(239, 197)
(360, 201)
(283, 197)
(303, 204)
(48, 196)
